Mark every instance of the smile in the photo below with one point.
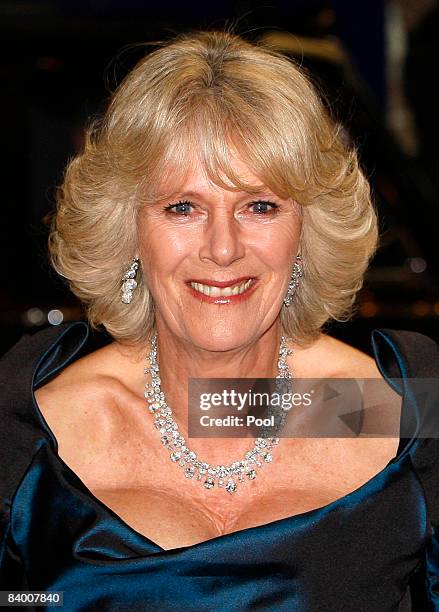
(227, 292)
(217, 291)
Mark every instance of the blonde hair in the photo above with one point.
(201, 95)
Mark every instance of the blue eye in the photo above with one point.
(181, 208)
(184, 208)
(263, 207)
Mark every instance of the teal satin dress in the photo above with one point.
(373, 550)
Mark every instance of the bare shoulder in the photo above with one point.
(85, 401)
(84, 379)
(329, 357)
(102, 371)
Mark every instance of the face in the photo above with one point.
(218, 262)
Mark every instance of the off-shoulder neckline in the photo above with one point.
(401, 452)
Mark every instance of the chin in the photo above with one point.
(220, 340)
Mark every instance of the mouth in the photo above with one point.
(222, 292)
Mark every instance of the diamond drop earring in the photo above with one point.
(296, 273)
(128, 281)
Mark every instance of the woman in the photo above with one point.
(213, 223)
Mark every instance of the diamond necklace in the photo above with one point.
(171, 438)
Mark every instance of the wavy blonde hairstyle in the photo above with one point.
(199, 97)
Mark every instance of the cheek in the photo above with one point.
(278, 246)
(162, 248)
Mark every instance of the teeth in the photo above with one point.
(217, 292)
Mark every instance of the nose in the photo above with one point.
(222, 240)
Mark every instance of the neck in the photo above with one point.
(180, 360)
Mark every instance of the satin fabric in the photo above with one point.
(374, 549)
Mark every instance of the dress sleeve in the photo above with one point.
(424, 583)
(419, 358)
(21, 435)
(426, 463)
(15, 451)
(432, 574)
(12, 575)
(432, 552)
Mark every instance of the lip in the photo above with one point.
(220, 284)
(222, 299)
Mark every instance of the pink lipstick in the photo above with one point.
(232, 291)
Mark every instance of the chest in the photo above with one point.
(122, 462)
(165, 507)
(172, 521)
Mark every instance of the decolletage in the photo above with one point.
(359, 553)
(129, 525)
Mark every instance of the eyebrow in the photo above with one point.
(198, 194)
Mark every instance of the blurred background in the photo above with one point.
(374, 61)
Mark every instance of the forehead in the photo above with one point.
(195, 177)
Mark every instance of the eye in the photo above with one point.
(182, 208)
(263, 207)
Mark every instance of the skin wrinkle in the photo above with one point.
(159, 121)
(182, 238)
(150, 133)
(220, 239)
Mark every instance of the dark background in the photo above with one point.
(375, 62)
